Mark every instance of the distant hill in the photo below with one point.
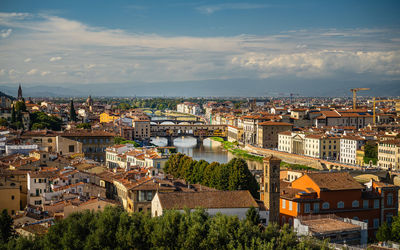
(8, 96)
(213, 87)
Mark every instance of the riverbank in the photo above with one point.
(234, 149)
(242, 153)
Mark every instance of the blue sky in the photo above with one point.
(57, 42)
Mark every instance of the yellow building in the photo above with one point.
(389, 154)
(105, 118)
(9, 196)
(16, 178)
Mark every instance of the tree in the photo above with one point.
(85, 125)
(384, 232)
(395, 232)
(72, 113)
(13, 115)
(3, 122)
(253, 216)
(6, 227)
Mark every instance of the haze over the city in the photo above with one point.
(200, 48)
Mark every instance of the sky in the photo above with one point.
(58, 43)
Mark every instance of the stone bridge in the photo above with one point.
(199, 131)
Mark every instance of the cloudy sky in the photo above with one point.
(79, 42)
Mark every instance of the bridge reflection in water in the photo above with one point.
(208, 150)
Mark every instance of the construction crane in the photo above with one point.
(397, 101)
(355, 95)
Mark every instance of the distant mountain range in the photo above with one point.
(232, 87)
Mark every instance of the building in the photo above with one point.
(324, 146)
(39, 183)
(235, 134)
(389, 154)
(348, 148)
(291, 142)
(270, 187)
(94, 143)
(106, 118)
(337, 230)
(340, 194)
(267, 133)
(225, 202)
(188, 108)
(10, 193)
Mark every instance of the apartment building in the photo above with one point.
(268, 131)
(339, 194)
(348, 148)
(389, 154)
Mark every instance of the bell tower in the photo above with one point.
(20, 93)
(270, 193)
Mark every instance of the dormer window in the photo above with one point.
(340, 204)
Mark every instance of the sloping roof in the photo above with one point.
(334, 181)
(213, 199)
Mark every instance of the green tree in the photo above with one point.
(384, 232)
(3, 122)
(85, 125)
(13, 115)
(72, 113)
(6, 227)
(253, 216)
(395, 232)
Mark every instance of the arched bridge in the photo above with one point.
(199, 131)
(183, 120)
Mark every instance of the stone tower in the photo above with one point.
(20, 93)
(270, 193)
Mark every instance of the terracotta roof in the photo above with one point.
(213, 199)
(271, 123)
(329, 225)
(334, 181)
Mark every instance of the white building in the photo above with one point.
(188, 108)
(348, 148)
(38, 183)
(234, 203)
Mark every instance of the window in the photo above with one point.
(340, 204)
(12, 197)
(365, 203)
(306, 207)
(316, 207)
(325, 205)
(355, 203)
(49, 140)
(283, 203)
(290, 205)
(376, 223)
(71, 148)
(298, 207)
(355, 218)
(390, 199)
(376, 203)
(38, 202)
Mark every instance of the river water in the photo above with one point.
(209, 150)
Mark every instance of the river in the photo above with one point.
(209, 150)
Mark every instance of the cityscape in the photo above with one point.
(175, 125)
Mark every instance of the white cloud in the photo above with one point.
(32, 72)
(210, 9)
(5, 33)
(98, 55)
(56, 58)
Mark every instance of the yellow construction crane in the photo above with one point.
(397, 101)
(355, 95)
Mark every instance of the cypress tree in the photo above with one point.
(13, 116)
(72, 113)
